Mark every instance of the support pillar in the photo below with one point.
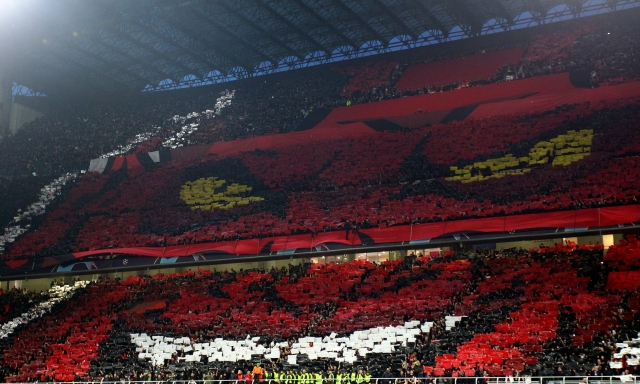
(6, 101)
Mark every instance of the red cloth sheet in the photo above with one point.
(443, 101)
(584, 218)
(479, 66)
(321, 133)
(550, 100)
(548, 92)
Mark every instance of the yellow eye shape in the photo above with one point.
(559, 151)
(212, 193)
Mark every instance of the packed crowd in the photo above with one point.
(608, 53)
(517, 313)
(348, 187)
(470, 300)
(283, 103)
(18, 193)
(279, 104)
(15, 302)
(611, 54)
(68, 138)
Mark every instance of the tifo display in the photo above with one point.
(344, 185)
(449, 149)
(538, 312)
(342, 148)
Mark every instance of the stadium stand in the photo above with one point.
(325, 197)
(15, 302)
(623, 260)
(497, 313)
(367, 79)
(18, 193)
(491, 170)
(536, 134)
(484, 65)
(279, 105)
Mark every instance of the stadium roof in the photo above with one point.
(111, 46)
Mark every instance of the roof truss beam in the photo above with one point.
(224, 30)
(145, 46)
(89, 83)
(500, 11)
(262, 31)
(111, 63)
(291, 25)
(359, 19)
(88, 71)
(153, 30)
(326, 22)
(112, 47)
(226, 54)
(466, 20)
(405, 28)
(430, 16)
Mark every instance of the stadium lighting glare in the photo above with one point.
(16, 15)
(9, 8)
